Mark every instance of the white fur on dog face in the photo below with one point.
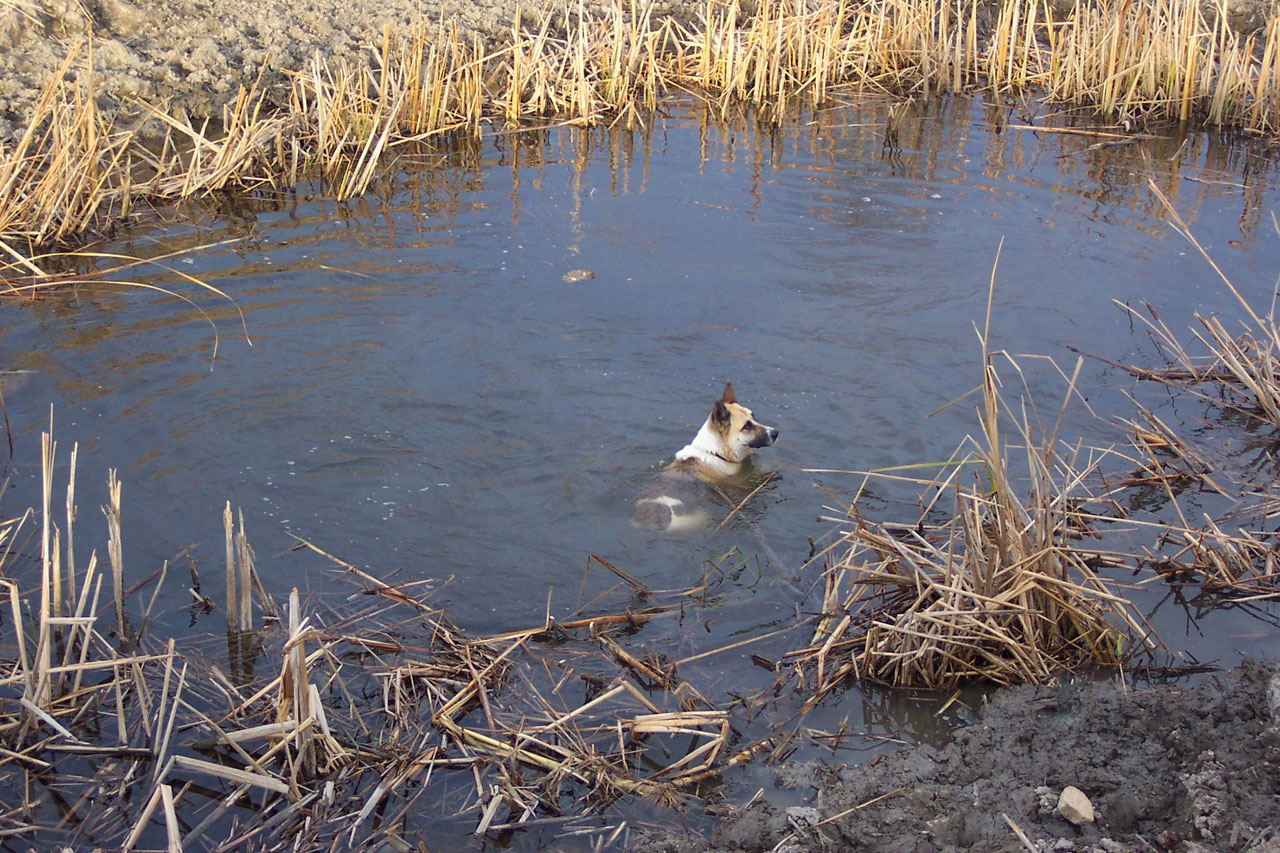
(715, 455)
(729, 436)
(738, 432)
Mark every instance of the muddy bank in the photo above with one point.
(192, 56)
(1173, 768)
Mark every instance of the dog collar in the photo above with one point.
(704, 452)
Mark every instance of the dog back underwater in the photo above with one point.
(716, 456)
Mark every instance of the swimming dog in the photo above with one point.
(717, 455)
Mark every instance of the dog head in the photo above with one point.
(735, 430)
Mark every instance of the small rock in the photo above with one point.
(123, 18)
(1075, 806)
(800, 817)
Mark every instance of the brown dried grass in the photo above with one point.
(73, 169)
(1002, 590)
(357, 712)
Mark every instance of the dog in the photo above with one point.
(717, 456)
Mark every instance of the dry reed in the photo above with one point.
(73, 170)
(1241, 369)
(1001, 591)
(337, 744)
(1238, 372)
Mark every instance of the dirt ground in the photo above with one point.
(192, 56)
(1166, 768)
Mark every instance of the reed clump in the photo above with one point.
(1240, 367)
(990, 583)
(1154, 60)
(1139, 61)
(997, 583)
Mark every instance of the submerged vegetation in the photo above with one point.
(1136, 63)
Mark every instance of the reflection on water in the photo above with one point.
(426, 396)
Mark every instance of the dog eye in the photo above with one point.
(748, 425)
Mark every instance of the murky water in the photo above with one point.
(427, 396)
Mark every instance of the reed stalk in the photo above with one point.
(233, 601)
(1000, 591)
(1162, 60)
(309, 753)
(115, 549)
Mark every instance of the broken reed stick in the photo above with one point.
(242, 577)
(341, 120)
(44, 643)
(380, 587)
(162, 746)
(630, 618)
(244, 605)
(171, 820)
(294, 703)
(71, 518)
(232, 774)
(743, 502)
(641, 668)
(115, 549)
(144, 817)
(233, 601)
(639, 586)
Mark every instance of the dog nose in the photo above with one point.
(773, 434)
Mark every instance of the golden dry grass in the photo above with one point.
(1002, 588)
(1134, 62)
(314, 724)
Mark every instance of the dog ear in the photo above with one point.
(720, 416)
(727, 396)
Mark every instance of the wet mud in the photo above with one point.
(1173, 767)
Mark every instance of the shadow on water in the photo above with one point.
(429, 395)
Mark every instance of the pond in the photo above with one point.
(431, 394)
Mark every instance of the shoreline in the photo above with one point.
(191, 57)
(175, 99)
(1187, 768)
